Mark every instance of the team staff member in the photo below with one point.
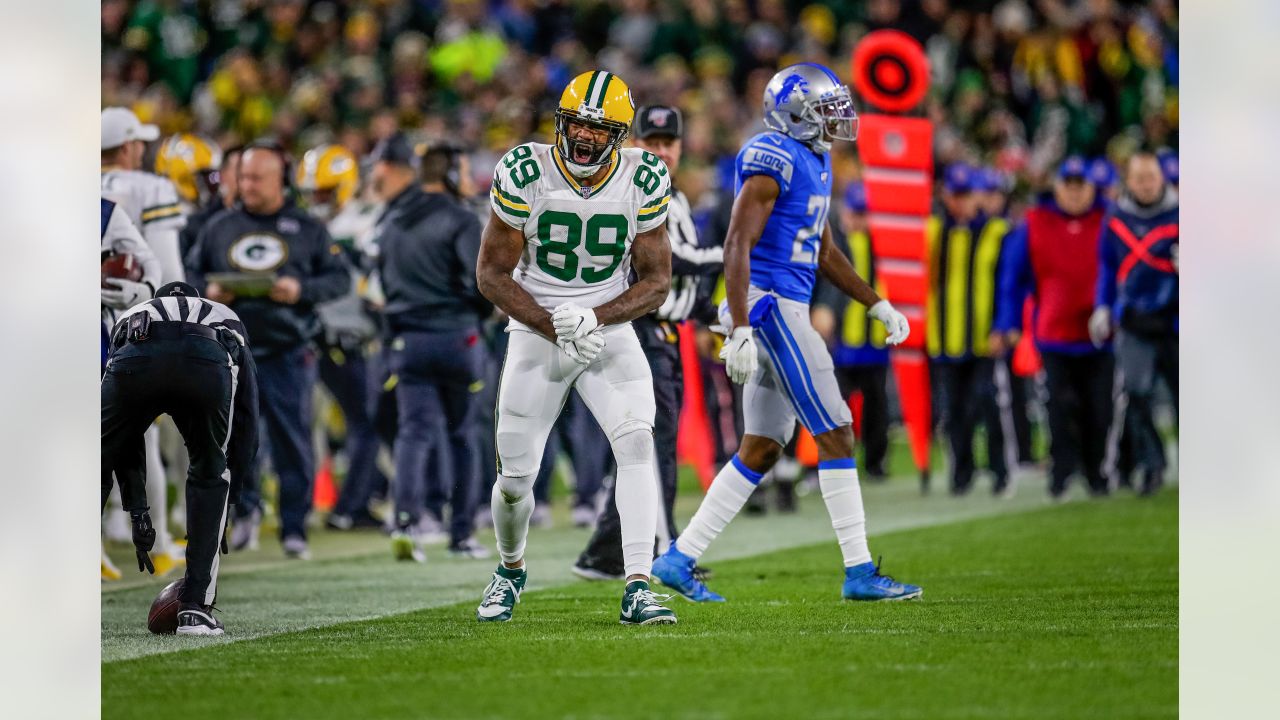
(694, 267)
(328, 178)
(428, 243)
(857, 344)
(267, 233)
(964, 249)
(184, 356)
(1138, 292)
(1050, 256)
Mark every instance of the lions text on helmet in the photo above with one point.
(807, 102)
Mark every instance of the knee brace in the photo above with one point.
(515, 489)
(633, 447)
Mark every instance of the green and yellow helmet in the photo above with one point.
(600, 101)
(191, 162)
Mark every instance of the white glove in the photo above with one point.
(1100, 326)
(573, 321)
(124, 294)
(739, 354)
(894, 321)
(584, 349)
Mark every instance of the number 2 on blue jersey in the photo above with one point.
(804, 249)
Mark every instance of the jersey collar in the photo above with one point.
(577, 186)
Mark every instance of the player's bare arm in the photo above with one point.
(751, 212)
(651, 258)
(837, 269)
(500, 249)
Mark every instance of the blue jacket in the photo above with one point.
(1136, 277)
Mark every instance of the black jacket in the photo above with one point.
(289, 242)
(428, 244)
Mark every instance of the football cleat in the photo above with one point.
(642, 606)
(296, 548)
(195, 619)
(864, 582)
(502, 594)
(584, 516)
(167, 562)
(589, 571)
(405, 547)
(244, 531)
(110, 572)
(676, 570)
(471, 549)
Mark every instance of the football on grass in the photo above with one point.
(121, 265)
(163, 618)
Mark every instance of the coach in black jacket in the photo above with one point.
(427, 249)
(266, 233)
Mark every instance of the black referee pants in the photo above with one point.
(1079, 408)
(662, 349)
(191, 379)
(871, 381)
(969, 399)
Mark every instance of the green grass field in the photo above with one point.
(1030, 611)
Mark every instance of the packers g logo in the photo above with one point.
(258, 252)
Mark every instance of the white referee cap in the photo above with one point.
(120, 125)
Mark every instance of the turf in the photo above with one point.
(1063, 612)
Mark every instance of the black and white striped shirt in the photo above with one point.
(178, 308)
(693, 265)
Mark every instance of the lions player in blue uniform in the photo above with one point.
(778, 241)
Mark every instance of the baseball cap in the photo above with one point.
(1169, 165)
(855, 197)
(1102, 173)
(959, 178)
(659, 120)
(120, 125)
(1073, 167)
(396, 150)
(987, 179)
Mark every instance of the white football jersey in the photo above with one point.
(151, 202)
(577, 240)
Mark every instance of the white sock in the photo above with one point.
(636, 495)
(157, 491)
(838, 480)
(728, 493)
(511, 518)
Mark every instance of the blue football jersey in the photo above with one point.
(785, 260)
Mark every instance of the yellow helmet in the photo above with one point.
(191, 161)
(328, 176)
(600, 101)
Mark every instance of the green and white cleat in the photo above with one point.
(641, 606)
(501, 596)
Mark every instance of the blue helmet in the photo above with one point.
(807, 102)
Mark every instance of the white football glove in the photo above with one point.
(739, 354)
(124, 294)
(584, 349)
(1100, 326)
(573, 321)
(894, 321)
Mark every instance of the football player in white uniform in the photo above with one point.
(151, 202)
(568, 223)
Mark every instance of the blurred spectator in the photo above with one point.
(268, 235)
(1137, 296)
(963, 252)
(1050, 257)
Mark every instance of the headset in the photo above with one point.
(453, 173)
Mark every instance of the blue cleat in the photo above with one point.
(675, 570)
(864, 582)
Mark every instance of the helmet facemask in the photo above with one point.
(835, 119)
(585, 157)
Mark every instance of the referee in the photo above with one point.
(182, 355)
(694, 268)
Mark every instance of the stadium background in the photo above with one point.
(1016, 84)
